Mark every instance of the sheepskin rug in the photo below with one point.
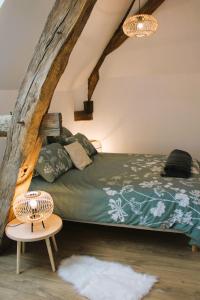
(102, 280)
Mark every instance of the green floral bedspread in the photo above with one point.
(128, 189)
(155, 201)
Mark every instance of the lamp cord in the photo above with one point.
(139, 7)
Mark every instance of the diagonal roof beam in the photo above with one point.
(62, 30)
(116, 41)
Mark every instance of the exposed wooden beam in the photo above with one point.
(5, 121)
(115, 42)
(81, 115)
(51, 124)
(62, 30)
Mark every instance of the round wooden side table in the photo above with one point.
(21, 232)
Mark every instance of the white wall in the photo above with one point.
(21, 23)
(147, 99)
(148, 96)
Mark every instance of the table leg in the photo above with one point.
(18, 256)
(50, 254)
(54, 242)
(23, 247)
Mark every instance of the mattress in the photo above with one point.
(127, 189)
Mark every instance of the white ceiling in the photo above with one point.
(21, 23)
(103, 21)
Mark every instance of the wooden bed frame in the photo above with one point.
(194, 247)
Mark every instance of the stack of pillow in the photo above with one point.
(62, 153)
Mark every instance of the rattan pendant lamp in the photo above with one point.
(140, 25)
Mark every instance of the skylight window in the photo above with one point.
(1, 2)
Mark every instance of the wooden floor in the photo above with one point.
(165, 255)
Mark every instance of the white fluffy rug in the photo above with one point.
(102, 280)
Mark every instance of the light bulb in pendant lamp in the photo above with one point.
(140, 25)
(33, 207)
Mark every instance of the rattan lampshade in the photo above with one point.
(141, 25)
(33, 207)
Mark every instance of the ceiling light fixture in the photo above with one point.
(140, 25)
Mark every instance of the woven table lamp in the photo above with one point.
(33, 207)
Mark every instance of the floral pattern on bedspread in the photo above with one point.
(140, 196)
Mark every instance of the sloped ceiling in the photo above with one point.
(102, 23)
(21, 23)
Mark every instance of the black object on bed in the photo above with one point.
(178, 164)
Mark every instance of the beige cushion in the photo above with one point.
(78, 155)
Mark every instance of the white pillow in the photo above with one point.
(195, 167)
(78, 155)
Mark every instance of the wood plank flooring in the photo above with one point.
(165, 255)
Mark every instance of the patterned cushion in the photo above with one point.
(53, 162)
(65, 134)
(78, 155)
(83, 140)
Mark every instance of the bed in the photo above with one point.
(127, 190)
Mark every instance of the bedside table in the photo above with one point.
(21, 232)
